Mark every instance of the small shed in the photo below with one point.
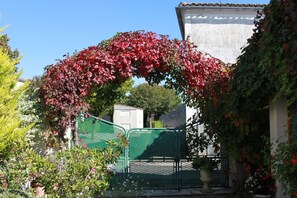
(128, 117)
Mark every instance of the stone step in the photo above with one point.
(193, 192)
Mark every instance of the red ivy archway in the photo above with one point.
(142, 54)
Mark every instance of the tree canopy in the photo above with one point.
(13, 54)
(153, 99)
(102, 98)
(10, 130)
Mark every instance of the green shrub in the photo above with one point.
(10, 130)
(13, 194)
(203, 162)
(284, 166)
(157, 124)
(78, 172)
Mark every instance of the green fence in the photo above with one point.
(153, 158)
(94, 133)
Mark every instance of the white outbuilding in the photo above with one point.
(128, 117)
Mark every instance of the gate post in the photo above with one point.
(177, 159)
(126, 160)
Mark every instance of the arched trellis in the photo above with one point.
(142, 54)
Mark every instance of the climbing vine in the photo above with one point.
(280, 58)
(270, 58)
(264, 71)
(142, 54)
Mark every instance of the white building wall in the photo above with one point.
(278, 118)
(220, 32)
(190, 112)
(139, 118)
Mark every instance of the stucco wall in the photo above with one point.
(220, 32)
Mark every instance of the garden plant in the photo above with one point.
(233, 101)
(82, 172)
(284, 166)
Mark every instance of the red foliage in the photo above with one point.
(141, 54)
(294, 161)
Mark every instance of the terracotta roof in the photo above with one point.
(190, 4)
(21, 80)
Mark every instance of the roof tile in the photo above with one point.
(193, 4)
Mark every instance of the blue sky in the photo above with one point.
(44, 30)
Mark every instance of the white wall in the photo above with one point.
(220, 32)
(278, 118)
(128, 117)
(190, 111)
(139, 118)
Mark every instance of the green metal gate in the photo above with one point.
(94, 133)
(153, 158)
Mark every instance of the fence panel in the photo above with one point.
(95, 132)
(153, 158)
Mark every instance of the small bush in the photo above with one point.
(79, 172)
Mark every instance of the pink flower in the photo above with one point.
(294, 161)
(92, 170)
(119, 135)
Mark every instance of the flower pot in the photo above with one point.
(39, 191)
(261, 196)
(206, 178)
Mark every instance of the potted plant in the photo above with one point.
(206, 166)
(284, 166)
(260, 183)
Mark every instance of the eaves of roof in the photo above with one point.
(191, 4)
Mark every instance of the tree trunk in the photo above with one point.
(75, 138)
(151, 119)
(75, 134)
